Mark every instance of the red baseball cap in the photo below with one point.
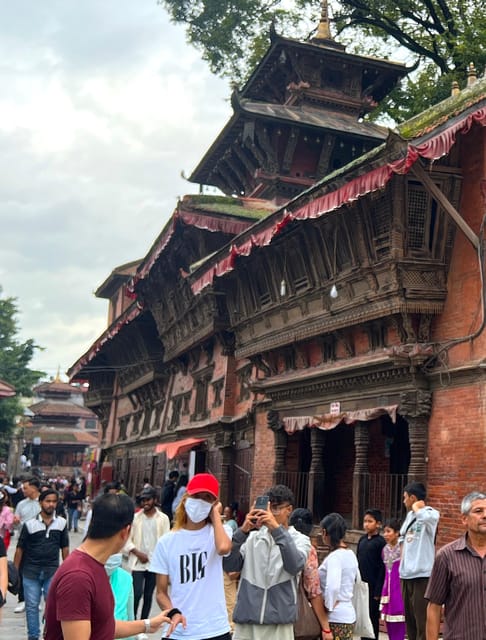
(203, 482)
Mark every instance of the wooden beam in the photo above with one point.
(436, 193)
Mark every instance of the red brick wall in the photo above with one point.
(457, 434)
(264, 456)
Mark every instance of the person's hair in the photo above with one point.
(301, 519)
(374, 513)
(180, 515)
(173, 474)
(182, 482)
(279, 494)
(392, 523)
(416, 489)
(47, 492)
(112, 512)
(467, 501)
(33, 482)
(335, 527)
(109, 486)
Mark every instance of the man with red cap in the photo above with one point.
(189, 558)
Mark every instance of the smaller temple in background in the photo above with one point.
(62, 430)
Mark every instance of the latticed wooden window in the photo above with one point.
(296, 269)
(421, 219)
(262, 286)
(381, 215)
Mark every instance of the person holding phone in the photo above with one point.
(270, 555)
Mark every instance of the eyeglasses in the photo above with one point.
(277, 508)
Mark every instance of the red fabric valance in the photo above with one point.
(329, 421)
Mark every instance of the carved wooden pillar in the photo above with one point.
(280, 437)
(360, 474)
(315, 487)
(415, 408)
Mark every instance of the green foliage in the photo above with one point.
(441, 37)
(15, 357)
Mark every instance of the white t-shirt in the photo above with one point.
(195, 572)
(337, 574)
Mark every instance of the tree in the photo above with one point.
(442, 37)
(15, 357)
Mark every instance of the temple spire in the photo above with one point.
(323, 30)
(323, 36)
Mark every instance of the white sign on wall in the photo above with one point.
(335, 408)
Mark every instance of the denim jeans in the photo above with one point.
(33, 589)
(73, 516)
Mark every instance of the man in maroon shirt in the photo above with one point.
(458, 578)
(80, 604)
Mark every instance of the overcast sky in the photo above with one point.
(102, 104)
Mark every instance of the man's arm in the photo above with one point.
(162, 593)
(76, 629)
(64, 553)
(221, 539)
(433, 621)
(18, 557)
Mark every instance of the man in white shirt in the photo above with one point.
(26, 509)
(149, 524)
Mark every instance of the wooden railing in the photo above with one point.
(374, 490)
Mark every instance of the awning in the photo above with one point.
(329, 421)
(172, 449)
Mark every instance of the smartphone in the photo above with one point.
(261, 503)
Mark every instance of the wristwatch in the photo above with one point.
(147, 625)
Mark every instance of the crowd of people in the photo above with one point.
(219, 574)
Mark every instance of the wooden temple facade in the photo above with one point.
(321, 325)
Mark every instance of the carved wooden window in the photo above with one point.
(289, 358)
(201, 407)
(381, 217)
(176, 412)
(244, 380)
(328, 347)
(201, 382)
(136, 422)
(186, 399)
(296, 268)
(123, 424)
(218, 386)
(158, 414)
(147, 416)
(376, 335)
(422, 219)
(261, 285)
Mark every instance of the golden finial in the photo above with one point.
(472, 75)
(58, 374)
(323, 30)
(455, 88)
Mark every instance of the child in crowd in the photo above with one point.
(370, 562)
(392, 608)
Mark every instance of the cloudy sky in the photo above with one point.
(102, 104)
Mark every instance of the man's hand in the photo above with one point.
(143, 557)
(268, 519)
(216, 511)
(159, 620)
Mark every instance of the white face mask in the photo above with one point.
(113, 563)
(197, 510)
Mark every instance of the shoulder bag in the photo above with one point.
(361, 604)
(307, 626)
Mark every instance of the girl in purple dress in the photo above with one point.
(391, 605)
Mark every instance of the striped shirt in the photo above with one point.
(458, 581)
